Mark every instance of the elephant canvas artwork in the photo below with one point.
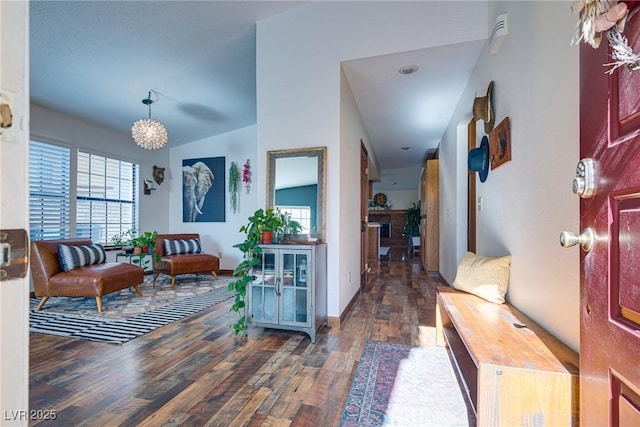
(203, 195)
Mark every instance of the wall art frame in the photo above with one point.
(500, 143)
(203, 189)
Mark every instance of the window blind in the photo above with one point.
(106, 197)
(49, 172)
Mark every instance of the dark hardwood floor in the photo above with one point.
(195, 373)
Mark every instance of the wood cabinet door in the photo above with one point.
(431, 251)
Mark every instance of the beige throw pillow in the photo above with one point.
(485, 277)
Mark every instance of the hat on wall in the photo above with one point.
(483, 109)
(479, 159)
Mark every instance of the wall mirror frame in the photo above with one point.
(289, 168)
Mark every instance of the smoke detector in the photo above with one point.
(408, 69)
(498, 34)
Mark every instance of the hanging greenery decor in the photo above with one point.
(246, 176)
(234, 179)
(610, 17)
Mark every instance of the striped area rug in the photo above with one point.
(121, 331)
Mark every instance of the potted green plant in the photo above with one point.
(144, 244)
(412, 221)
(266, 222)
(124, 240)
(146, 241)
(289, 226)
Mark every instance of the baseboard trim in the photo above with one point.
(336, 322)
(333, 322)
(441, 277)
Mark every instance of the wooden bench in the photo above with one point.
(514, 372)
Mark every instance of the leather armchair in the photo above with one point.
(174, 265)
(90, 281)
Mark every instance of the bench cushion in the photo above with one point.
(95, 280)
(188, 264)
(486, 277)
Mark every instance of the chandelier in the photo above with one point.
(148, 133)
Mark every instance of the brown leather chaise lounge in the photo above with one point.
(182, 263)
(49, 279)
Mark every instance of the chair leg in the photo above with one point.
(155, 276)
(173, 281)
(214, 275)
(44, 300)
(137, 288)
(99, 302)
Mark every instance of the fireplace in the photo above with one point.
(385, 230)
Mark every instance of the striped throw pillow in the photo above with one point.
(71, 257)
(181, 246)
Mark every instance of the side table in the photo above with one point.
(144, 260)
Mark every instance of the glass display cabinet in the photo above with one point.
(290, 288)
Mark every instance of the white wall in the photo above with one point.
(352, 131)
(453, 195)
(14, 210)
(299, 93)
(401, 186)
(218, 238)
(52, 126)
(399, 199)
(528, 201)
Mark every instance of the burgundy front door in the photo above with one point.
(610, 272)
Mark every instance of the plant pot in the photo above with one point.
(267, 237)
(137, 250)
(145, 249)
(276, 237)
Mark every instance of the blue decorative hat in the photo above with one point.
(479, 159)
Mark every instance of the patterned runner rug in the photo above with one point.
(400, 385)
(126, 315)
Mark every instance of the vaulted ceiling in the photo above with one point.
(98, 60)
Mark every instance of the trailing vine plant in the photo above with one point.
(261, 220)
(234, 180)
(251, 250)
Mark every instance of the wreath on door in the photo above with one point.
(610, 17)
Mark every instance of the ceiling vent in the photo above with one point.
(498, 34)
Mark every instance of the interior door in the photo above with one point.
(610, 297)
(364, 212)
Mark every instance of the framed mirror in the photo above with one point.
(297, 183)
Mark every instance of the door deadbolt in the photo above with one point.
(586, 239)
(584, 184)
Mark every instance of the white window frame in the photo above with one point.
(305, 222)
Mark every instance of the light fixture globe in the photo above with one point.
(148, 133)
